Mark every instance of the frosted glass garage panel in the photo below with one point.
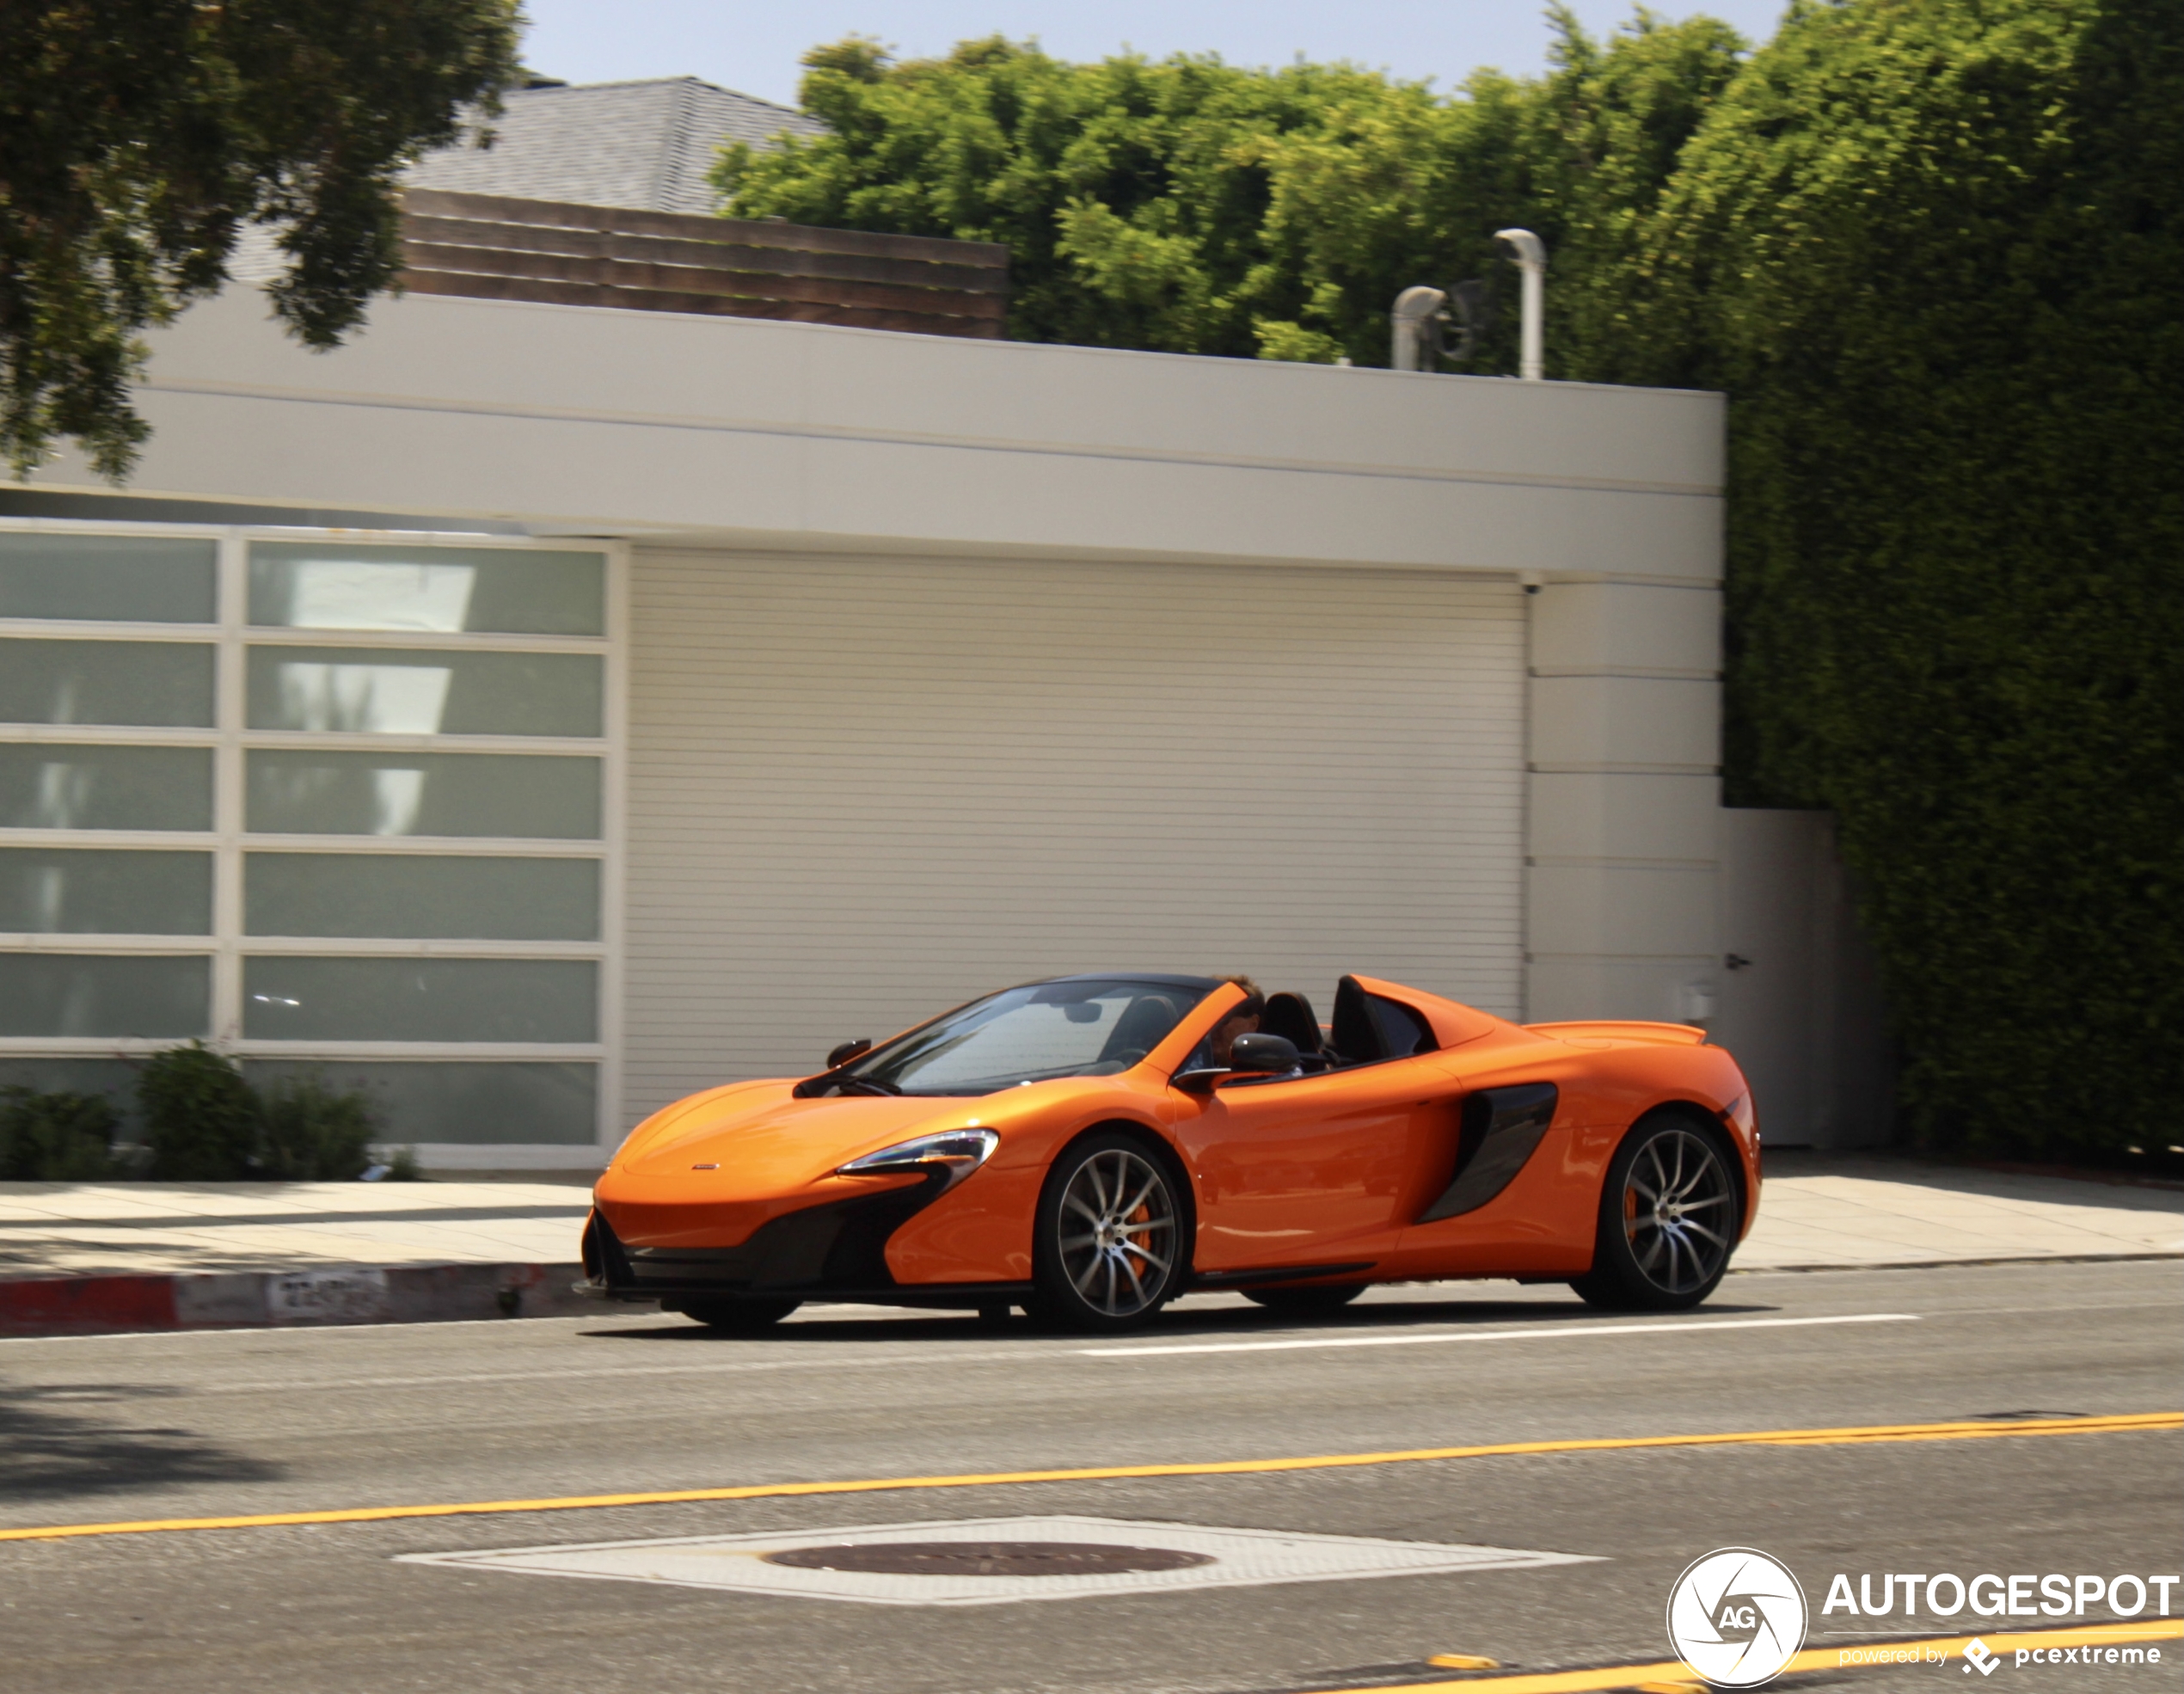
(317, 1000)
(334, 586)
(484, 1104)
(93, 891)
(48, 786)
(387, 692)
(104, 994)
(292, 792)
(138, 579)
(404, 894)
(161, 682)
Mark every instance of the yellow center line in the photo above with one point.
(1960, 1431)
(1674, 1673)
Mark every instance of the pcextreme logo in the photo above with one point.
(1736, 1617)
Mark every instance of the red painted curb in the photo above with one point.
(65, 1306)
(311, 1296)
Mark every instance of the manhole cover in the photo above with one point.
(987, 1558)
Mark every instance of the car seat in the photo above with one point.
(1139, 1029)
(1290, 1015)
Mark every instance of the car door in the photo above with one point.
(1313, 1168)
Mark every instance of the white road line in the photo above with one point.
(1545, 1332)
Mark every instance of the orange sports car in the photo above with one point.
(1092, 1146)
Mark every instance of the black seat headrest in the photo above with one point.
(1355, 1036)
(1290, 1015)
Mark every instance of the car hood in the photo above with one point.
(764, 1138)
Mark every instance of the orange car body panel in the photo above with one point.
(1307, 1171)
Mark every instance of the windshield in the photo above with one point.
(1084, 1027)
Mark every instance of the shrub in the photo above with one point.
(56, 1137)
(402, 1166)
(309, 1132)
(201, 1118)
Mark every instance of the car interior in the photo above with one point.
(1367, 1029)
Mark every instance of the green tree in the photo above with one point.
(1933, 251)
(138, 138)
(1191, 207)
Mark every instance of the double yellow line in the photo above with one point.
(1871, 1433)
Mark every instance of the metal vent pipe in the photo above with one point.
(1531, 258)
(1412, 324)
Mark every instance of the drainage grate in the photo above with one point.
(987, 1558)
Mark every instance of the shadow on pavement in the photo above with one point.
(52, 1445)
(1242, 1323)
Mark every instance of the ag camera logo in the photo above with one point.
(1736, 1617)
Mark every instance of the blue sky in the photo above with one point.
(754, 47)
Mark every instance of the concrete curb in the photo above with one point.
(330, 1294)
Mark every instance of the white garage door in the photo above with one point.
(861, 790)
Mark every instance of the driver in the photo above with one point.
(1242, 1019)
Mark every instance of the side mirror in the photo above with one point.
(847, 1050)
(1263, 1053)
(1249, 1056)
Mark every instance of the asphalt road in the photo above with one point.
(157, 1427)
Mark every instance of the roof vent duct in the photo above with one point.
(1531, 258)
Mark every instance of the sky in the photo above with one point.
(754, 47)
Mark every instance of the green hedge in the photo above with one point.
(1934, 253)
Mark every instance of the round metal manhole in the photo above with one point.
(987, 1558)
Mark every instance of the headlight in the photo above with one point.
(959, 1152)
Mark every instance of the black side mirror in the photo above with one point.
(847, 1050)
(1263, 1052)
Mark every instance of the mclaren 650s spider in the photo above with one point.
(1092, 1146)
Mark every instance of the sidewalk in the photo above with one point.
(78, 1257)
(1838, 1210)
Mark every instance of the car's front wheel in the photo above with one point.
(1107, 1248)
(1668, 1219)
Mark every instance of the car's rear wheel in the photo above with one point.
(1303, 1302)
(1107, 1248)
(1668, 1218)
(739, 1317)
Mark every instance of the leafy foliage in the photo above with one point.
(1192, 206)
(56, 1137)
(309, 1133)
(201, 1116)
(137, 138)
(204, 1122)
(1933, 251)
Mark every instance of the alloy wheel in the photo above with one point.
(1679, 1211)
(1117, 1232)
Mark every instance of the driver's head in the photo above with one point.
(1242, 1019)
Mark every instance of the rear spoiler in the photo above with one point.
(1652, 1035)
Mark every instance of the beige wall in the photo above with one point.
(863, 790)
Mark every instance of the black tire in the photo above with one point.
(738, 1318)
(1669, 1216)
(1108, 1244)
(1303, 1302)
